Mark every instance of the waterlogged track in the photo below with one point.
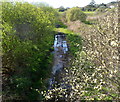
(60, 52)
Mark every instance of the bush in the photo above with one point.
(27, 37)
(75, 14)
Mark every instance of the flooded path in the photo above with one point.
(60, 52)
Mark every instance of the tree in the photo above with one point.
(92, 2)
(75, 14)
(90, 7)
(61, 9)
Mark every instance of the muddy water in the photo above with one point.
(60, 51)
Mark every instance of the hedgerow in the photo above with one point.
(27, 37)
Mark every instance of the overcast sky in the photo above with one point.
(67, 3)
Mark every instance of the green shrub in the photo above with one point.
(75, 14)
(27, 37)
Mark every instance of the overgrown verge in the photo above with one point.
(94, 73)
(59, 92)
(27, 39)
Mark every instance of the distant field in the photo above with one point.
(61, 12)
(89, 12)
(63, 30)
(86, 12)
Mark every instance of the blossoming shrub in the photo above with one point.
(94, 72)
